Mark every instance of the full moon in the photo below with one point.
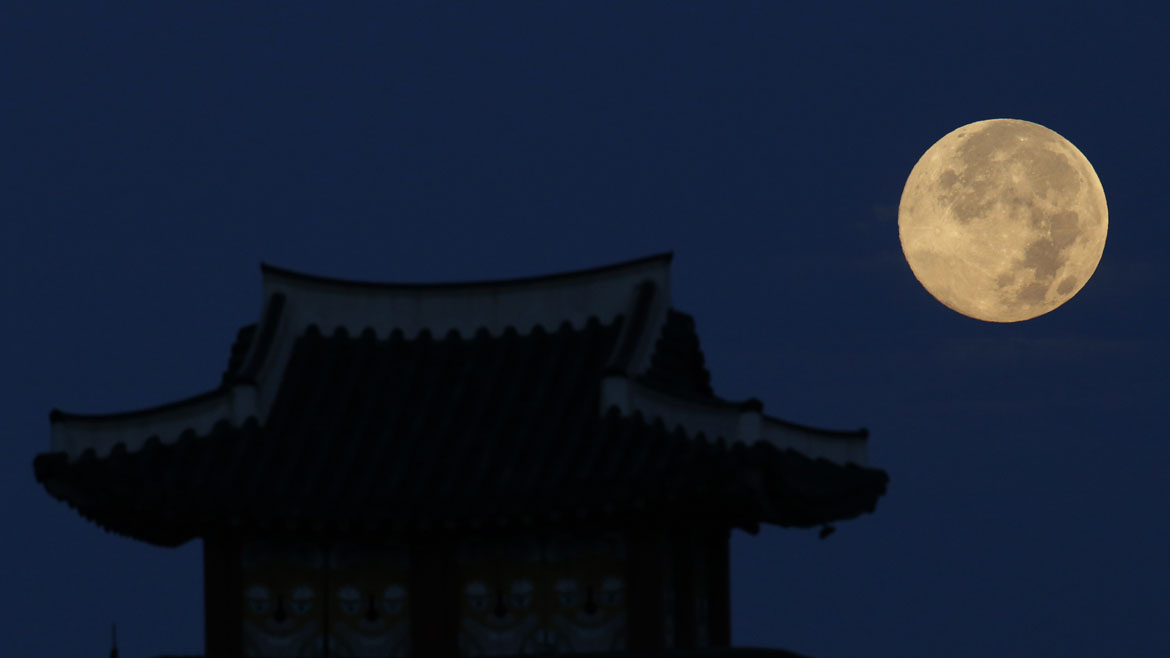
(1003, 220)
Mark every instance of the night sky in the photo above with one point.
(154, 156)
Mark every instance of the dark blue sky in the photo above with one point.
(154, 155)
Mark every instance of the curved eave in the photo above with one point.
(742, 422)
(861, 433)
(54, 472)
(77, 434)
(822, 492)
(664, 258)
(237, 399)
(167, 494)
(66, 417)
(718, 404)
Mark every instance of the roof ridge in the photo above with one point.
(266, 268)
(548, 300)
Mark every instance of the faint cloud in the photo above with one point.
(885, 212)
(1126, 277)
(880, 217)
(1016, 350)
(835, 263)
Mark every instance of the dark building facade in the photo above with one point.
(527, 466)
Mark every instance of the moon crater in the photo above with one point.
(1003, 220)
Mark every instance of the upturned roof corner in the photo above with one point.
(589, 375)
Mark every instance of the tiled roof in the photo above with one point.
(405, 432)
(446, 431)
(677, 365)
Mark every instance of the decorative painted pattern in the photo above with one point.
(369, 612)
(298, 596)
(534, 594)
(283, 590)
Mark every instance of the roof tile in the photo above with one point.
(462, 429)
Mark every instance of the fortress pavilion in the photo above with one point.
(535, 465)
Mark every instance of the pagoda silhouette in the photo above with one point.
(525, 466)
